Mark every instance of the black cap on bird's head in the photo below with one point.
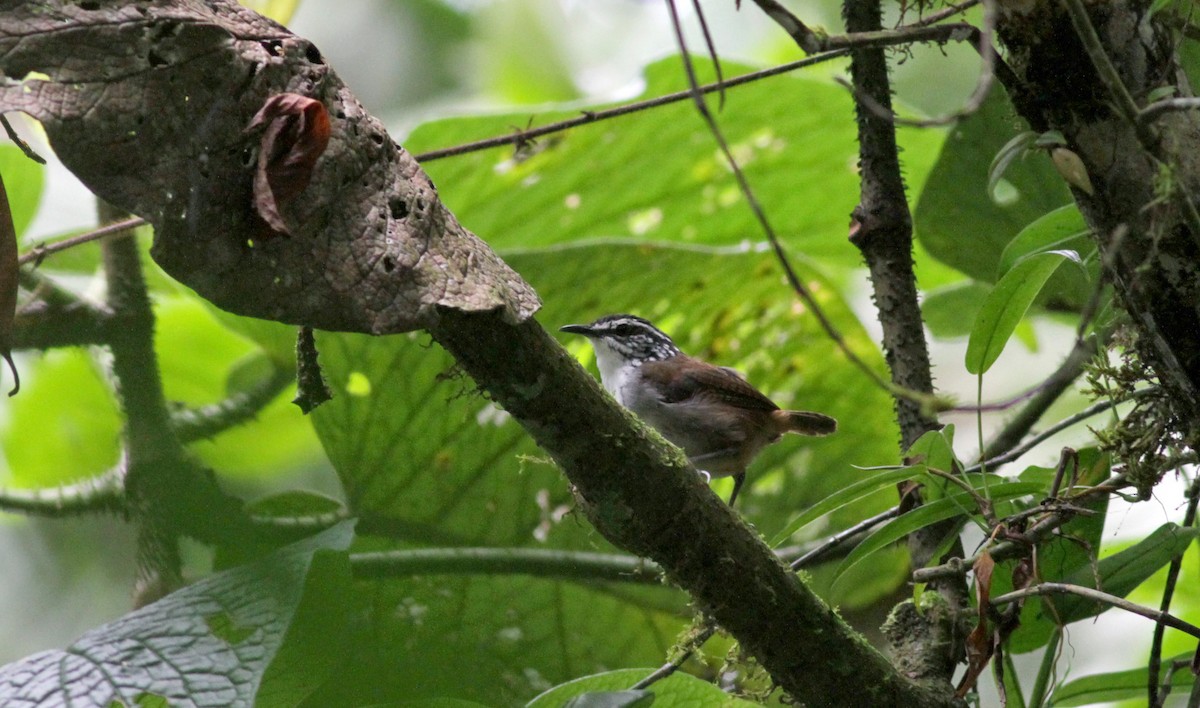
(629, 336)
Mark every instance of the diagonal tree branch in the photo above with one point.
(638, 492)
(644, 497)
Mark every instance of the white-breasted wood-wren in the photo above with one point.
(719, 419)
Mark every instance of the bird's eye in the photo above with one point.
(625, 330)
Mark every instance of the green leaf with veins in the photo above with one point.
(658, 176)
(210, 643)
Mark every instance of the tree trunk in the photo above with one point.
(1144, 174)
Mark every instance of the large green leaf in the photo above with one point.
(1117, 685)
(657, 175)
(211, 643)
(1006, 305)
(955, 220)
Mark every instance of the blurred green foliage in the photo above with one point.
(637, 214)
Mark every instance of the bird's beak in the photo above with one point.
(577, 329)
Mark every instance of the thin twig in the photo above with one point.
(299, 525)
(41, 250)
(537, 562)
(1158, 108)
(957, 32)
(24, 146)
(760, 216)
(1058, 427)
(1006, 550)
(804, 37)
(672, 666)
(102, 493)
(981, 40)
(850, 41)
(1155, 663)
(1045, 395)
(207, 421)
(1101, 597)
(711, 46)
(842, 537)
(626, 109)
(942, 14)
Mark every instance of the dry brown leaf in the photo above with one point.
(296, 133)
(979, 641)
(8, 284)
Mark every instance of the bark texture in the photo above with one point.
(1142, 177)
(149, 102)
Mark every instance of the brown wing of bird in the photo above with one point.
(694, 379)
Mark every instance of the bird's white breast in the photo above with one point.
(618, 374)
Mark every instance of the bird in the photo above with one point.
(713, 413)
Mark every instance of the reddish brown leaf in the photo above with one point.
(1022, 574)
(297, 132)
(8, 284)
(979, 642)
(979, 652)
(983, 568)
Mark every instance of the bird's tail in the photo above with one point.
(804, 422)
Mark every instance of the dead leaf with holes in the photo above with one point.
(148, 103)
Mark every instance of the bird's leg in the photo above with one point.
(738, 481)
(698, 461)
